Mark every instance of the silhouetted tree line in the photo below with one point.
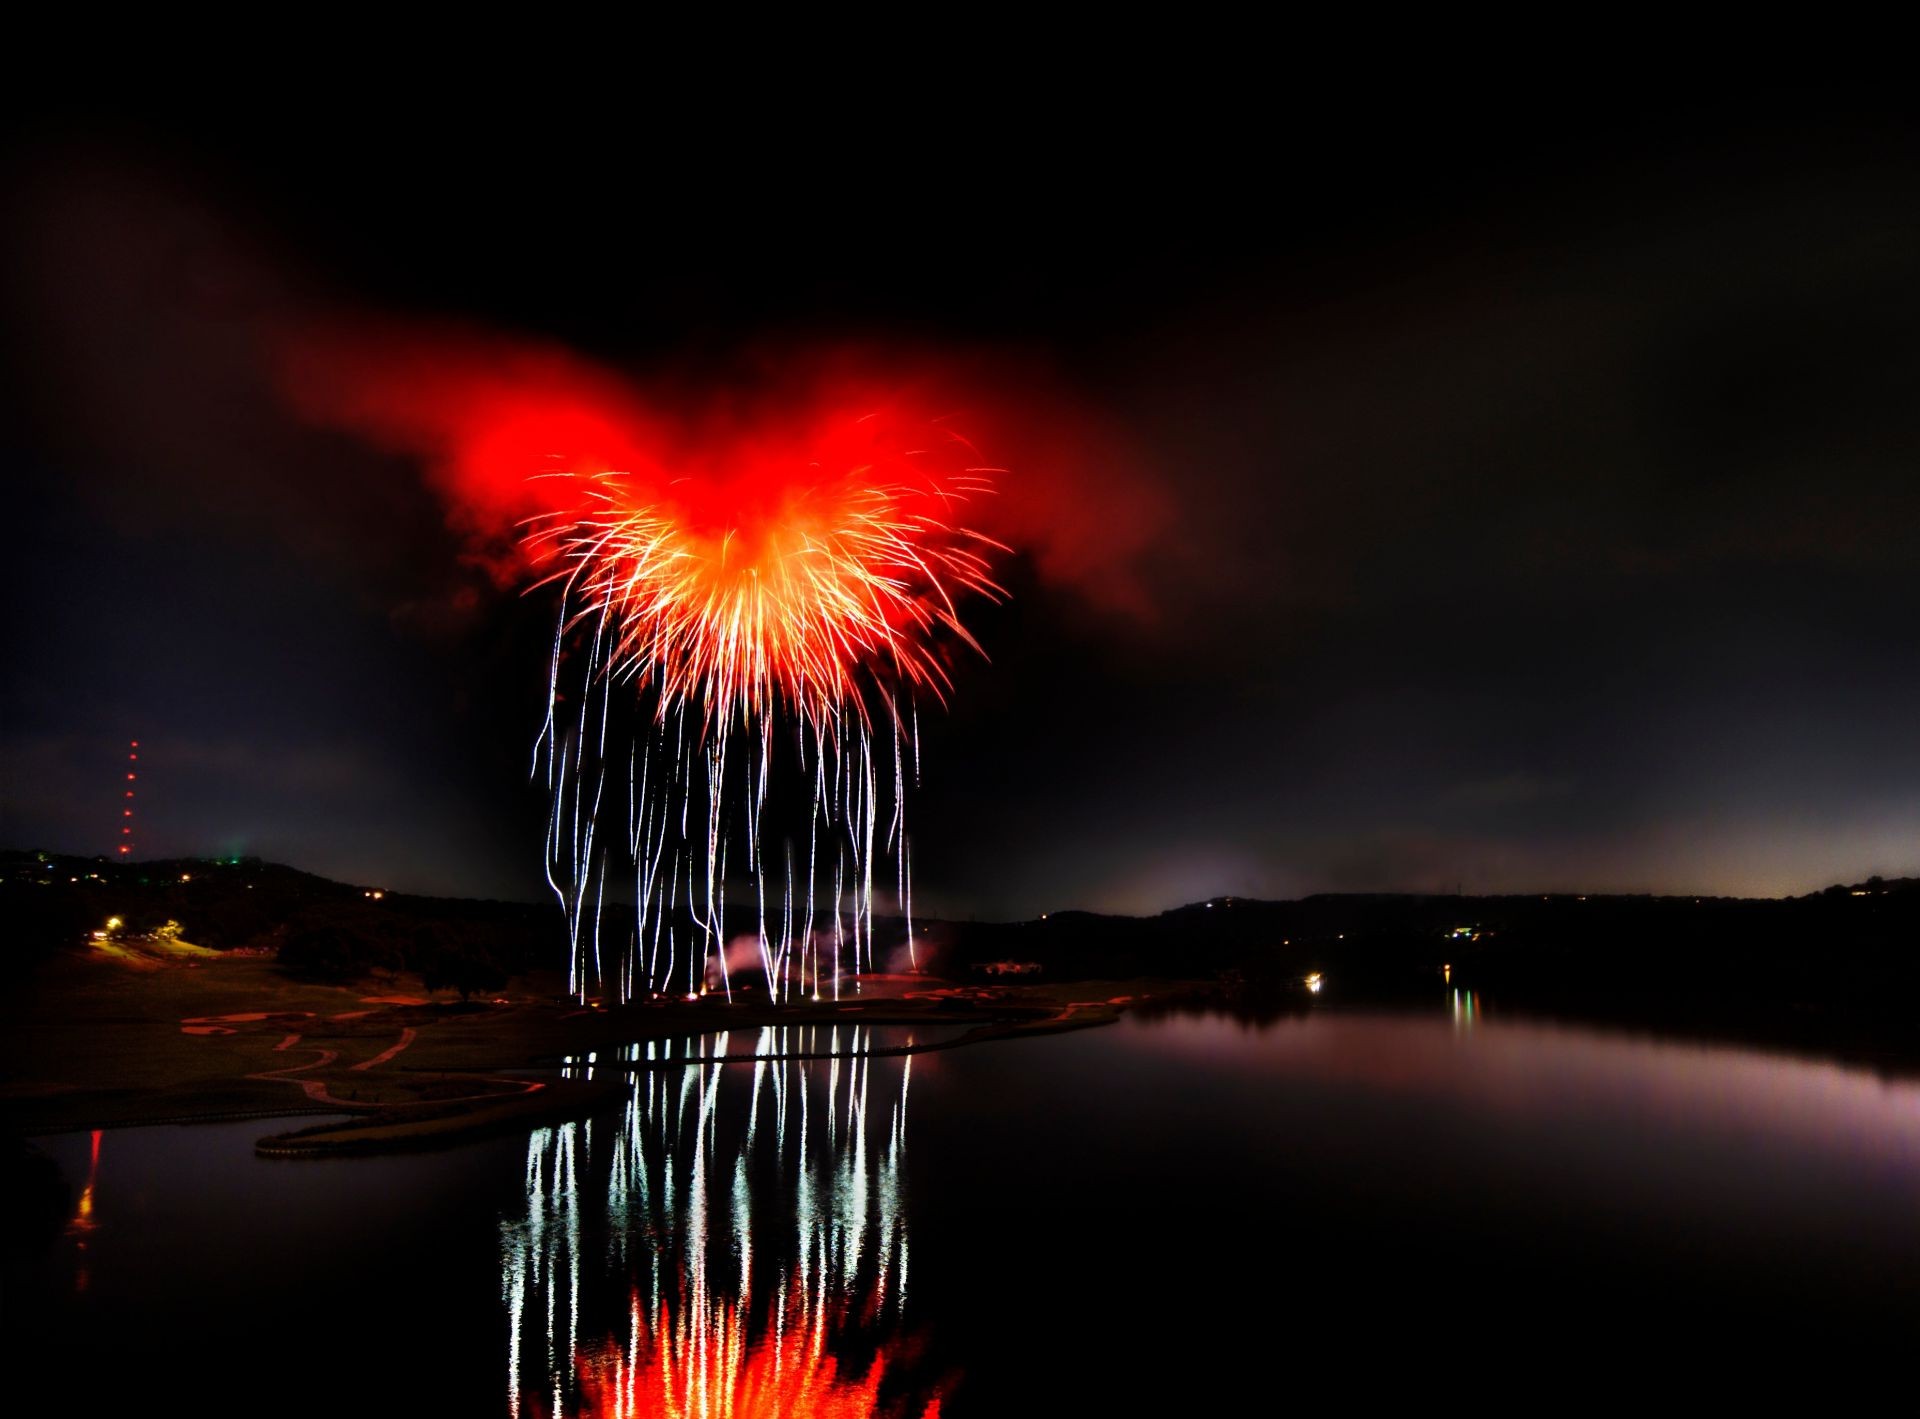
(319, 929)
(1850, 953)
(345, 941)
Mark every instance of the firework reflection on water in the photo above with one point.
(734, 1244)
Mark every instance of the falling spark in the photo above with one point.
(757, 590)
(738, 648)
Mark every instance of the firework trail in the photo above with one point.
(734, 688)
(756, 596)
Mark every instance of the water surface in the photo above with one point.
(1142, 1218)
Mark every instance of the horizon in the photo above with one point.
(891, 911)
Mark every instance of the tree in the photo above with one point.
(465, 970)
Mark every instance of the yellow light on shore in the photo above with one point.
(1313, 982)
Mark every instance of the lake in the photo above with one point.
(1164, 1215)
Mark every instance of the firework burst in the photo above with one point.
(754, 601)
(740, 653)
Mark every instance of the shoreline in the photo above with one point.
(94, 1045)
(97, 1046)
(405, 1128)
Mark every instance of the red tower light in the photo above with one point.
(126, 811)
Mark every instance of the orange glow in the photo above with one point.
(750, 551)
(787, 578)
(791, 552)
(679, 1369)
(82, 1223)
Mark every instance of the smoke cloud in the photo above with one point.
(486, 416)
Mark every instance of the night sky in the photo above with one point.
(1533, 485)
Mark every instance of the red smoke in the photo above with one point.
(486, 415)
(483, 415)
